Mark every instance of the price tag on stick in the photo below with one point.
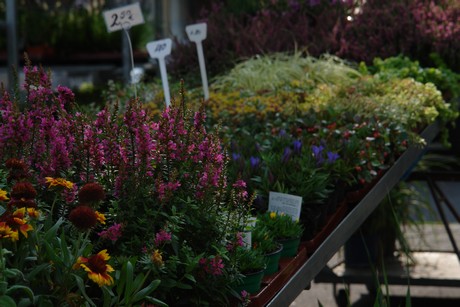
(123, 17)
(197, 33)
(159, 50)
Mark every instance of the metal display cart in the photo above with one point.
(319, 259)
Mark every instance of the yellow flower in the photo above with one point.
(7, 233)
(33, 213)
(272, 215)
(100, 217)
(157, 258)
(58, 182)
(3, 196)
(97, 267)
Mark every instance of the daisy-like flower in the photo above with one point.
(19, 218)
(3, 196)
(7, 233)
(97, 268)
(83, 217)
(91, 192)
(58, 182)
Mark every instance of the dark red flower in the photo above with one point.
(91, 192)
(83, 217)
(23, 189)
(18, 169)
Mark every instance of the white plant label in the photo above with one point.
(123, 17)
(159, 50)
(247, 239)
(197, 33)
(285, 203)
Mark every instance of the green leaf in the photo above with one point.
(184, 286)
(190, 277)
(155, 301)
(146, 291)
(109, 297)
(65, 250)
(25, 289)
(38, 269)
(81, 286)
(6, 301)
(408, 300)
(51, 234)
(129, 279)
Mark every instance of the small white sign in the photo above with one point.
(247, 239)
(285, 203)
(123, 17)
(159, 50)
(196, 32)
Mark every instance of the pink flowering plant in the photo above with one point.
(123, 199)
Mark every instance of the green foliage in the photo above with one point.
(281, 226)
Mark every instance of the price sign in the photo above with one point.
(197, 33)
(123, 17)
(159, 50)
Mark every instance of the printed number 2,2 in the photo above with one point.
(124, 14)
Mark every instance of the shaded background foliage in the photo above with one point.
(428, 31)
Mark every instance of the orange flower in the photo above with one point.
(19, 219)
(7, 233)
(58, 182)
(97, 268)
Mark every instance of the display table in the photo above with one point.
(350, 223)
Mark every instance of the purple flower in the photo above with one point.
(332, 157)
(286, 155)
(161, 237)
(282, 133)
(236, 156)
(255, 162)
(297, 147)
(317, 153)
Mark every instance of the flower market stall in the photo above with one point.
(237, 199)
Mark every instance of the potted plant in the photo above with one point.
(271, 249)
(283, 229)
(251, 264)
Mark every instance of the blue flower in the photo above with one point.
(297, 147)
(317, 153)
(236, 156)
(255, 162)
(282, 133)
(332, 157)
(286, 155)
